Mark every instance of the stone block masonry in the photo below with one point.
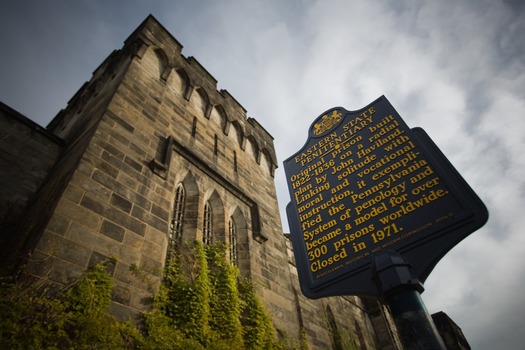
(148, 123)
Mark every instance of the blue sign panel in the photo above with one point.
(364, 183)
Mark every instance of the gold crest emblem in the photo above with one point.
(327, 121)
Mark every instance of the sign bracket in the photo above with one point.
(401, 291)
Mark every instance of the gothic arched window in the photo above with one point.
(234, 255)
(175, 234)
(207, 224)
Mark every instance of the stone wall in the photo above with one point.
(27, 153)
(148, 121)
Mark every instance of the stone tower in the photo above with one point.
(149, 152)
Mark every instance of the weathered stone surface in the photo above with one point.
(153, 125)
(112, 230)
(27, 153)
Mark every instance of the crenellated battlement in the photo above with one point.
(151, 40)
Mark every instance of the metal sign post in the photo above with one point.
(401, 291)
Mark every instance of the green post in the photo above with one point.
(401, 291)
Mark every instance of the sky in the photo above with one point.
(456, 68)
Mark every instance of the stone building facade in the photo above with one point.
(146, 153)
(450, 332)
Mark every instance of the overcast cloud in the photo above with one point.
(453, 67)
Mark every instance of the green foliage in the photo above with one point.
(259, 332)
(348, 342)
(303, 341)
(185, 296)
(162, 334)
(253, 319)
(76, 318)
(341, 340)
(205, 304)
(202, 304)
(225, 304)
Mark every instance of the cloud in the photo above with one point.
(457, 69)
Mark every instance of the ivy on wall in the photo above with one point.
(76, 318)
(206, 300)
(202, 304)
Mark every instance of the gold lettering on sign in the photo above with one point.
(355, 186)
(326, 123)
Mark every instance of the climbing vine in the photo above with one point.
(259, 332)
(74, 318)
(203, 303)
(210, 305)
(185, 295)
(225, 303)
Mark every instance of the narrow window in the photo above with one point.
(234, 256)
(333, 329)
(178, 213)
(194, 127)
(234, 161)
(207, 224)
(175, 228)
(215, 145)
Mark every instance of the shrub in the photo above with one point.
(75, 318)
(202, 304)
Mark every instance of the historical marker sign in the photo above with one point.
(364, 183)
